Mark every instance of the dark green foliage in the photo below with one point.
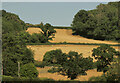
(53, 70)
(47, 30)
(14, 50)
(28, 70)
(11, 23)
(34, 38)
(71, 64)
(61, 27)
(39, 64)
(44, 36)
(37, 38)
(64, 43)
(24, 36)
(104, 56)
(100, 23)
(54, 57)
(112, 73)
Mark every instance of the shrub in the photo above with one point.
(29, 70)
(51, 57)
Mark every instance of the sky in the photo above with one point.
(55, 13)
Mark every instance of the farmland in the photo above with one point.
(61, 36)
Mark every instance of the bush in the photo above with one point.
(51, 57)
(29, 70)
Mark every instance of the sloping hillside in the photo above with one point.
(65, 35)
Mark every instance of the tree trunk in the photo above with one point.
(18, 69)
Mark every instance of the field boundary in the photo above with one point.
(62, 43)
(55, 27)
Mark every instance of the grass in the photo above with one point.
(25, 79)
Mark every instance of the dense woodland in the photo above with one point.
(18, 60)
(14, 51)
(100, 23)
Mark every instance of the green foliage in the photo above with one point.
(28, 70)
(100, 23)
(24, 79)
(61, 27)
(53, 70)
(11, 23)
(37, 38)
(99, 78)
(53, 57)
(66, 43)
(112, 73)
(104, 56)
(34, 38)
(39, 64)
(47, 30)
(14, 50)
(71, 64)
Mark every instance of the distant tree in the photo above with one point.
(48, 31)
(104, 56)
(41, 25)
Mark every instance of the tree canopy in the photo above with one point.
(100, 23)
(14, 50)
(104, 56)
(71, 64)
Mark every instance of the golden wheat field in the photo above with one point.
(40, 50)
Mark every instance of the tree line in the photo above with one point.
(100, 23)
